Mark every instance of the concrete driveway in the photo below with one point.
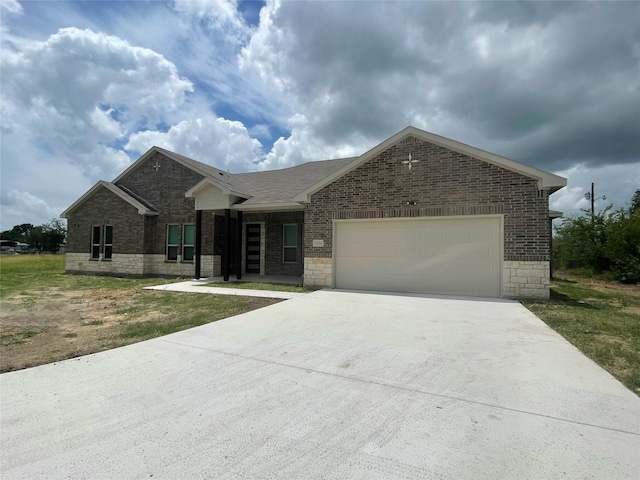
(331, 385)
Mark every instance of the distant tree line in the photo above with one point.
(605, 242)
(43, 238)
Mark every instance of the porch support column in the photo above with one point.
(239, 246)
(198, 243)
(550, 248)
(226, 264)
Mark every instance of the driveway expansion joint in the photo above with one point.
(403, 388)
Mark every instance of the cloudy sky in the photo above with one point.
(88, 86)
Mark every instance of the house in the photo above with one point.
(417, 213)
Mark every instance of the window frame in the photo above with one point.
(105, 244)
(286, 247)
(172, 245)
(185, 245)
(96, 248)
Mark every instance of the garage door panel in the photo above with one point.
(444, 256)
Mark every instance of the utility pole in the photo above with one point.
(592, 196)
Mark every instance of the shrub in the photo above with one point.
(604, 242)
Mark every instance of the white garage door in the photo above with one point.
(457, 256)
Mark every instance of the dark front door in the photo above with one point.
(252, 252)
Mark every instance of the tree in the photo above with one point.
(605, 242)
(47, 237)
(54, 234)
(623, 245)
(635, 202)
(580, 241)
(19, 233)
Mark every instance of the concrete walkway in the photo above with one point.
(198, 286)
(329, 385)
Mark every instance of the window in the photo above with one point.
(172, 242)
(290, 243)
(108, 242)
(188, 236)
(95, 242)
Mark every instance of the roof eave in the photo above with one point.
(142, 209)
(210, 181)
(82, 199)
(268, 206)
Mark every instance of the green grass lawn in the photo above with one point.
(600, 318)
(42, 272)
(49, 316)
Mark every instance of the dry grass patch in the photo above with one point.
(47, 316)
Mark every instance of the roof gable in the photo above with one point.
(218, 177)
(143, 207)
(545, 179)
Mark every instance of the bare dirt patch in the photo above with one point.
(52, 325)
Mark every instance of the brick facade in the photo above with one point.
(105, 208)
(135, 234)
(273, 248)
(441, 183)
(137, 237)
(165, 187)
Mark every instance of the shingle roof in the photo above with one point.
(144, 207)
(282, 185)
(272, 186)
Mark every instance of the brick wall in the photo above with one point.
(134, 233)
(442, 183)
(105, 208)
(165, 188)
(274, 222)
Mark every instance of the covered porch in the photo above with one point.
(250, 243)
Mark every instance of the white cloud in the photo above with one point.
(304, 146)
(220, 15)
(98, 69)
(11, 6)
(19, 204)
(267, 49)
(223, 143)
(104, 90)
